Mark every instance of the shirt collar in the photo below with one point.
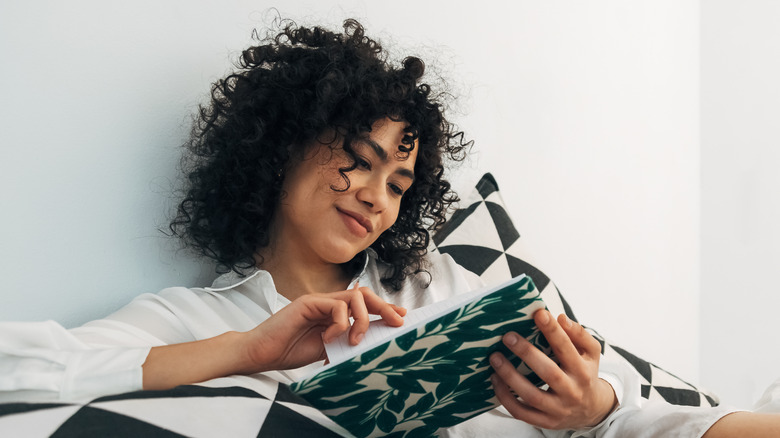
(234, 279)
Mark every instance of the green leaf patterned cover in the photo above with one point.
(434, 376)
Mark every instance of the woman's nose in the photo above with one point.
(373, 195)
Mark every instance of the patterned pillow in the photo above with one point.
(480, 237)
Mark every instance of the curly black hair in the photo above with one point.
(288, 90)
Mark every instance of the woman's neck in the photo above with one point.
(295, 277)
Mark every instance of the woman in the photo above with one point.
(312, 179)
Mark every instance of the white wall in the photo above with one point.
(586, 112)
(740, 197)
(591, 126)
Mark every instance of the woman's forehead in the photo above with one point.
(384, 149)
(389, 138)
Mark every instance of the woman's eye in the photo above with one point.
(363, 163)
(396, 189)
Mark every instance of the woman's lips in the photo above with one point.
(355, 223)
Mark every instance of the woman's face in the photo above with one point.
(333, 226)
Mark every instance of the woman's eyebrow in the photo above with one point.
(382, 154)
(378, 150)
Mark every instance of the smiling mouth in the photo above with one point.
(357, 224)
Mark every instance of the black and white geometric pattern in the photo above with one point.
(481, 237)
(185, 411)
(658, 383)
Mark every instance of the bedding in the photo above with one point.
(236, 406)
(479, 236)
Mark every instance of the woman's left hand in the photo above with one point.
(576, 397)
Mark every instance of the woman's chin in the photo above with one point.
(340, 257)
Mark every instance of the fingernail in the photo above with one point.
(567, 321)
(358, 338)
(510, 339)
(496, 360)
(544, 318)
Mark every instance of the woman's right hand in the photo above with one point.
(295, 336)
(291, 338)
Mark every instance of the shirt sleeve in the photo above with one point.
(656, 419)
(640, 418)
(45, 361)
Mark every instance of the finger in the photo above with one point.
(585, 343)
(523, 388)
(515, 407)
(559, 340)
(399, 310)
(390, 313)
(359, 313)
(543, 366)
(335, 310)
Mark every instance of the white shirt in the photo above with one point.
(44, 361)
